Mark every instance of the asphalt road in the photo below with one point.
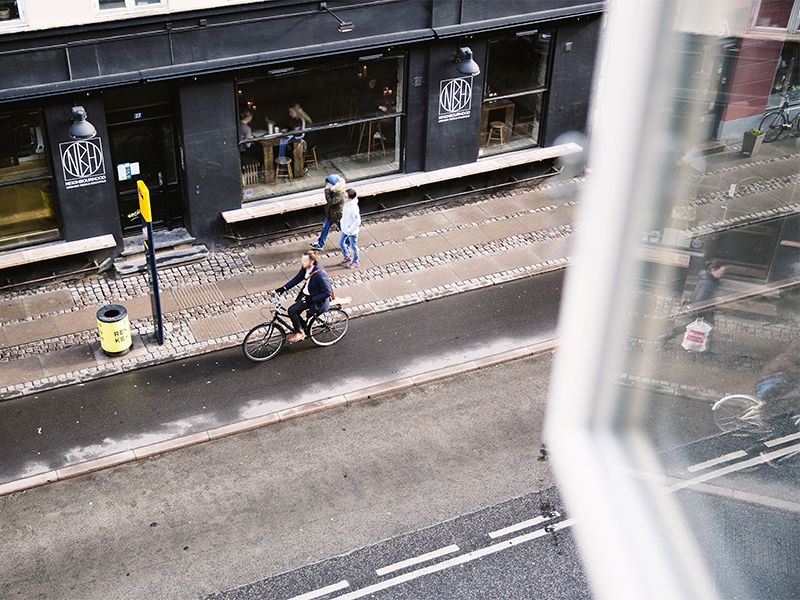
(83, 422)
(238, 510)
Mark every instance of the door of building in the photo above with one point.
(143, 147)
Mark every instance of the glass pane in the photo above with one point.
(325, 96)
(787, 75)
(356, 151)
(511, 123)
(104, 4)
(9, 10)
(147, 2)
(518, 64)
(774, 13)
(25, 209)
(22, 148)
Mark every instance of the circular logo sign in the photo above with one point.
(455, 95)
(82, 158)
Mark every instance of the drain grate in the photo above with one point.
(197, 295)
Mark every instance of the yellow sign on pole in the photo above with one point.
(144, 201)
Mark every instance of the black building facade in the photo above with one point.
(222, 108)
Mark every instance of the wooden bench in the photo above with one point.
(400, 181)
(44, 252)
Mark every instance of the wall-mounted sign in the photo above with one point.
(83, 163)
(126, 171)
(455, 99)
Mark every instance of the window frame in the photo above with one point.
(791, 27)
(21, 21)
(130, 5)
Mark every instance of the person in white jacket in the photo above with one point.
(349, 225)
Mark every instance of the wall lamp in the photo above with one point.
(80, 129)
(466, 65)
(344, 26)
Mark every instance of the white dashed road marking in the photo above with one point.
(410, 562)
(717, 461)
(322, 591)
(523, 525)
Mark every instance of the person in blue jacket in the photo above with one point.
(314, 297)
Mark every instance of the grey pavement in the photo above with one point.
(234, 511)
(84, 422)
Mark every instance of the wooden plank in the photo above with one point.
(43, 252)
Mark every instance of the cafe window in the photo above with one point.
(27, 210)
(787, 76)
(516, 89)
(776, 15)
(10, 10)
(297, 125)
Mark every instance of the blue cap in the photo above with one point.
(333, 179)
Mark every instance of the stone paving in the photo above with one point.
(48, 337)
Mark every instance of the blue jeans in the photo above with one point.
(326, 229)
(349, 241)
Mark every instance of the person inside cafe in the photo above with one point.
(249, 149)
(297, 142)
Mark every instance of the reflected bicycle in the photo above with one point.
(265, 340)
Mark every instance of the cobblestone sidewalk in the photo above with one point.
(48, 336)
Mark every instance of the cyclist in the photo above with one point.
(314, 297)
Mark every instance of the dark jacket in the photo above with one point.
(706, 288)
(319, 288)
(334, 201)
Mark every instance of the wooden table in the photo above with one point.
(298, 158)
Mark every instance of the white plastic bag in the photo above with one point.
(696, 337)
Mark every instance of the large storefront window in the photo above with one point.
(516, 85)
(296, 125)
(27, 212)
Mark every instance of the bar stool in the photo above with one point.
(311, 156)
(371, 140)
(500, 128)
(286, 163)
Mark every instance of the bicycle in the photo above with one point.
(265, 340)
(777, 121)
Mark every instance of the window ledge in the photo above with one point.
(43, 252)
(397, 182)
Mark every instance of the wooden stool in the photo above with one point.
(500, 128)
(311, 155)
(371, 141)
(285, 162)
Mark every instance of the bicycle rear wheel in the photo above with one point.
(772, 126)
(263, 342)
(329, 327)
(731, 412)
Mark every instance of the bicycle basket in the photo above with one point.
(776, 386)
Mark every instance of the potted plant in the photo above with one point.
(752, 141)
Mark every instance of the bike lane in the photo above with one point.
(111, 417)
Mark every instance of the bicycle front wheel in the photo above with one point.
(730, 413)
(329, 327)
(263, 342)
(772, 125)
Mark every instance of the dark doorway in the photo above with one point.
(143, 147)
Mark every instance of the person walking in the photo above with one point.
(334, 201)
(706, 289)
(348, 228)
(314, 297)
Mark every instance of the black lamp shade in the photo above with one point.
(466, 65)
(80, 129)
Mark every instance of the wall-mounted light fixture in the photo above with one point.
(80, 129)
(344, 26)
(465, 64)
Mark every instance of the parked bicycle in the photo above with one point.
(776, 122)
(264, 341)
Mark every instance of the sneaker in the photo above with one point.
(316, 246)
(344, 262)
(353, 265)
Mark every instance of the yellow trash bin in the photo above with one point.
(114, 329)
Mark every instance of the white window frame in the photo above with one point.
(14, 23)
(792, 26)
(130, 5)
